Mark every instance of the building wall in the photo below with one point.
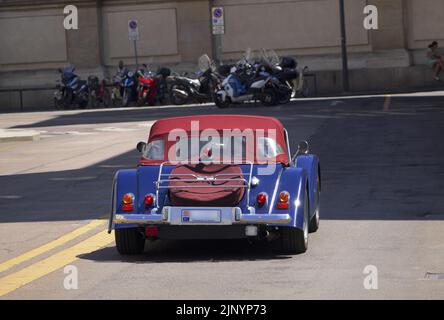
(33, 42)
(293, 27)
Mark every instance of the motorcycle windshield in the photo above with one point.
(204, 63)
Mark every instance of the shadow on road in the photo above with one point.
(386, 167)
(191, 251)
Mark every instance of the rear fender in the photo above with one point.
(310, 164)
(125, 181)
(294, 181)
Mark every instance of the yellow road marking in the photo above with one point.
(60, 259)
(387, 102)
(49, 246)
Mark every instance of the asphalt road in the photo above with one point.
(382, 205)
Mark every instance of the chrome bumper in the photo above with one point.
(228, 216)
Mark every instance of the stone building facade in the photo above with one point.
(33, 42)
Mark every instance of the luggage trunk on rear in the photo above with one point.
(206, 185)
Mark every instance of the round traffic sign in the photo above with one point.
(132, 24)
(217, 13)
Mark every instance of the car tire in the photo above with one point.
(295, 240)
(129, 241)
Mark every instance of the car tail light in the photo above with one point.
(261, 199)
(149, 200)
(284, 196)
(128, 202)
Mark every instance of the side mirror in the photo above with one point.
(303, 148)
(141, 146)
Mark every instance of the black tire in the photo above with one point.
(219, 103)
(295, 240)
(284, 95)
(129, 241)
(58, 104)
(175, 99)
(268, 98)
(67, 100)
(126, 97)
(314, 222)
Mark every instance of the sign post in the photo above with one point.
(218, 21)
(345, 79)
(133, 35)
(217, 30)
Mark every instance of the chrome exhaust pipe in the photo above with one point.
(180, 93)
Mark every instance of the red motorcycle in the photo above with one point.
(146, 89)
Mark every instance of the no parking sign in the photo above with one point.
(133, 30)
(217, 20)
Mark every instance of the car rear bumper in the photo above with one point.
(227, 216)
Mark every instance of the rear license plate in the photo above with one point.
(201, 216)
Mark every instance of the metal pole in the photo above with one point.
(345, 80)
(216, 40)
(135, 54)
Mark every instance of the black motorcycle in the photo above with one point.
(185, 90)
(161, 83)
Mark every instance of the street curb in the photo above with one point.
(11, 135)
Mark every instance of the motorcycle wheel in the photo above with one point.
(284, 95)
(126, 97)
(93, 98)
(67, 100)
(58, 104)
(268, 97)
(175, 99)
(221, 104)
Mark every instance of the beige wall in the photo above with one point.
(303, 27)
(425, 22)
(178, 32)
(32, 37)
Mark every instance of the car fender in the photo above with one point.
(125, 181)
(294, 181)
(311, 165)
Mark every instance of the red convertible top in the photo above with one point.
(162, 128)
(217, 122)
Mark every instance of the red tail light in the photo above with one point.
(284, 197)
(261, 199)
(128, 202)
(149, 200)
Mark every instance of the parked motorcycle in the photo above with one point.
(98, 92)
(128, 87)
(185, 90)
(286, 70)
(146, 87)
(70, 90)
(250, 80)
(162, 86)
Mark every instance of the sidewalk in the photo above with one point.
(8, 135)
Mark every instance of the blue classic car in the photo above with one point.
(217, 177)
